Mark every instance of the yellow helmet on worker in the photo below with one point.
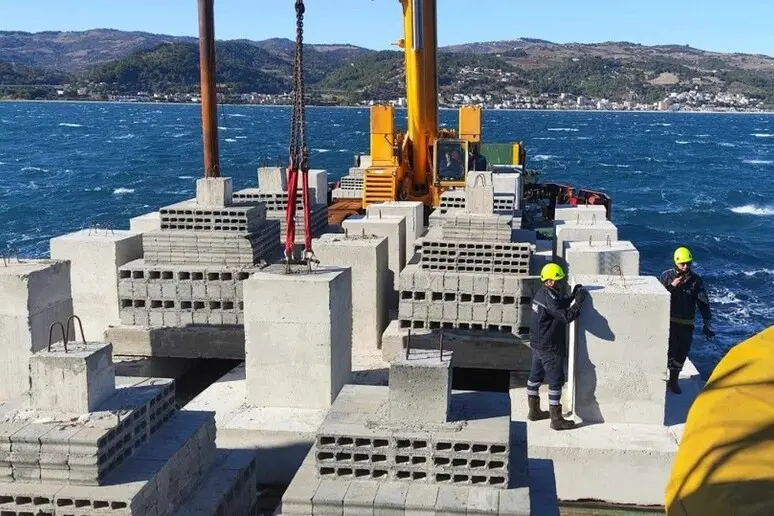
(551, 271)
(682, 255)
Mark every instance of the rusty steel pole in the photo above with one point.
(208, 88)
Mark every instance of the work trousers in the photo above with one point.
(680, 338)
(546, 365)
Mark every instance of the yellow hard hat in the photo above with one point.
(551, 271)
(682, 255)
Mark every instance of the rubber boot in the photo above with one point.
(535, 414)
(557, 421)
(672, 384)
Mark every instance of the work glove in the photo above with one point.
(707, 331)
(580, 294)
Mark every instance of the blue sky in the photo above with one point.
(738, 26)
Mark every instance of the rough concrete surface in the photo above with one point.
(214, 191)
(582, 213)
(420, 386)
(95, 256)
(144, 223)
(583, 231)
(394, 228)
(620, 345)
(36, 293)
(415, 222)
(619, 257)
(187, 342)
(367, 258)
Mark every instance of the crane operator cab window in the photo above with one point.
(451, 161)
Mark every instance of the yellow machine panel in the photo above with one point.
(470, 123)
(725, 462)
(382, 135)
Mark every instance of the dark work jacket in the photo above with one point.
(550, 315)
(686, 298)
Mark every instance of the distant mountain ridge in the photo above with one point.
(139, 61)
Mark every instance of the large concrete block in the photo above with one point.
(420, 386)
(298, 337)
(509, 183)
(272, 179)
(318, 181)
(619, 346)
(581, 213)
(415, 221)
(479, 193)
(368, 259)
(95, 257)
(75, 379)
(620, 258)
(573, 231)
(214, 191)
(144, 223)
(35, 294)
(394, 228)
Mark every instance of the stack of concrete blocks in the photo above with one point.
(36, 293)
(273, 193)
(415, 220)
(85, 442)
(95, 256)
(367, 257)
(470, 281)
(298, 340)
(193, 267)
(394, 229)
(351, 185)
(414, 447)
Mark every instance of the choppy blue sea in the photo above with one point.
(701, 180)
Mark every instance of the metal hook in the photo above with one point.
(51, 334)
(483, 180)
(80, 324)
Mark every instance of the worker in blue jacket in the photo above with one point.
(688, 293)
(551, 312)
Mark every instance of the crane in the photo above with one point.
(425, 161)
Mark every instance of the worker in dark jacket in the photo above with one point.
(551, 312)
(687, 290)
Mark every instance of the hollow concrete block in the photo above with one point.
(76, 380)
(620, 258)
(36, 293)
(298, 337)
(95, 256)
(619, 348)
(367, 258)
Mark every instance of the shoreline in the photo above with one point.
(544, 110)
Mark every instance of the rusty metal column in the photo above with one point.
(208, 88)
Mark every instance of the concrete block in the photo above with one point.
(394, 228)
(581, 213)
(186, 342)
(76, 380)
(509, 183)
(415, 222)
(583, 231)
(616, 258)
(390, 498)
(36, 293)
(329, 497)
(619, 347)
(368, 259)
(272, 179)
(297, 356)
(479, 193)
(359, 500)
(420, 386)
(95, 257)
(214, 191)
(318, 183)
(144, 223)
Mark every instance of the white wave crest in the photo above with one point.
(567, 129)
(543, 157)
(763, 135)
(753, 209)
(230, 140)
(122, 191)
(758, 161)
(63, 124)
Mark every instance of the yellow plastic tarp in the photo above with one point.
(725, 461)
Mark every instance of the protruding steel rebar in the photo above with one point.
(51, 335)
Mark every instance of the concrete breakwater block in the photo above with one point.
(600, 231)
(615, 258)
(35, 293)
(227, 342)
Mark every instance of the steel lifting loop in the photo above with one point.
(616, 269)
(482, 178)
(593, 219)
(609, 241)
(80, 324)
(51, 335)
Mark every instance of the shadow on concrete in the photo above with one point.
(472, 406)
(542, 483)
(585, 405)
(676, 406)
